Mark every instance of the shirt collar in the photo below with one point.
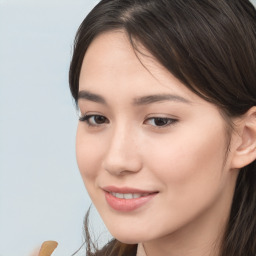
(140, 250)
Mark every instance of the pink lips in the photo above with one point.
(127, 199)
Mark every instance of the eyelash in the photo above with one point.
(166, 121)
(86, 119)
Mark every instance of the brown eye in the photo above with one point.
(98, 119)
(160, 121)
(94, 120)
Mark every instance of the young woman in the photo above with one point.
(166, 140)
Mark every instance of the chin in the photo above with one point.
(130, 237)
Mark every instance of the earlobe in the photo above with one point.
(245, 149)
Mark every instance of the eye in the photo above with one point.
(160, 121)
(94, 120)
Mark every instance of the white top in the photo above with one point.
(140, 250)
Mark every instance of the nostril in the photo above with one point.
(122, 167)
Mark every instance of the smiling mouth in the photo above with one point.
(127, 199)
(129, 195)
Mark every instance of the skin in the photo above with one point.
(185, 161)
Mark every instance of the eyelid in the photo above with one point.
(83, 114)
(86, 118)
(170, 121)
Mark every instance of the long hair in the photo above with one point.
(210, 46)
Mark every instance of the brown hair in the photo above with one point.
(210, 46)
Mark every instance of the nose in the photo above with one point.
(122, 155)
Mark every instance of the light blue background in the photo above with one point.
(42, 196)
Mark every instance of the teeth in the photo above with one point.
(127, 196)
(136, 195)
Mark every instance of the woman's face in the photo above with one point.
(152, 154)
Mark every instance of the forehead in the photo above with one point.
(111, 63)
(112, 53)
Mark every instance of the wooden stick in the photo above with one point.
(47, 248)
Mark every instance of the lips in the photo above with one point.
(127, 199)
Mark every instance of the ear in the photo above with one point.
(245, 145)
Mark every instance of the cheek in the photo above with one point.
(189, 162)
(191, 176)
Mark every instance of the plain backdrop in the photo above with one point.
(42, 196)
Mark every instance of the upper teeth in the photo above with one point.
(127, 196)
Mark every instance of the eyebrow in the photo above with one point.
(91, 97)
(145, 100)
(159, 98)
